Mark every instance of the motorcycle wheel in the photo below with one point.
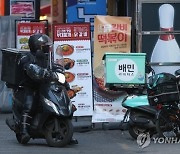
(135, 130)
(61, 135)
(165, 125)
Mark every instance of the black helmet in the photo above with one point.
(39, 42)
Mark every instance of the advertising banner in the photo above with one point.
(25, 30)
(112, 35)
(73, 42)
(85, 10)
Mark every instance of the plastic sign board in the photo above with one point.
(25, 30)
(73, 42)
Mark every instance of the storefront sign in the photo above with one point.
(73, 42)
(85, 10)
(25, 30)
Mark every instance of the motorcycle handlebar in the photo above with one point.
(58, 68)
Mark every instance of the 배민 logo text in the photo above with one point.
(126, 69)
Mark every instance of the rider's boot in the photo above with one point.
(25, 124)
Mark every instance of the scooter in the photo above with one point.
(53, 116)
(139, 117)
(164, 94)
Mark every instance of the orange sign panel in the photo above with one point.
(2, 7)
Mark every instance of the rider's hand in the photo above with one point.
(52, 75)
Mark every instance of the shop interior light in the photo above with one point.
(43, 17)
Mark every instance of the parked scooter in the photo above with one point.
(163, 93)
(52, 118)
(140, 116)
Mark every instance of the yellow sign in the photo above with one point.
(111, 34)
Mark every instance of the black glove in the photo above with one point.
(54, 76)
(58, 68)
(50, 75)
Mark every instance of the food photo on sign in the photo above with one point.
(24, 42)
(65, 50)
(69, 63)
(74, 90)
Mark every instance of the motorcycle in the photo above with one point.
(163, 93)
(139, 117)
(53, 116)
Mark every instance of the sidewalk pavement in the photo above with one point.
(83, 124)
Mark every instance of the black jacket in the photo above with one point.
(35, 71)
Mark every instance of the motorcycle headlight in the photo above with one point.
(51, 104)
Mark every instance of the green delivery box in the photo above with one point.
(124, 69)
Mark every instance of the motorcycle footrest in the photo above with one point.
(139, 120)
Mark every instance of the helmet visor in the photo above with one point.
(47, 48)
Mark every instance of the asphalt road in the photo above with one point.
(91, 142)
